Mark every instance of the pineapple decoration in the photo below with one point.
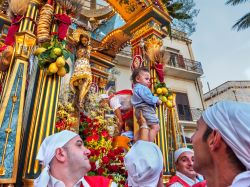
(164, 94)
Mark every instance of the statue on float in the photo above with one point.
(81, 78)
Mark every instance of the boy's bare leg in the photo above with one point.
(154, 129)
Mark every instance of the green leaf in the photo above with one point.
(67, 67)
(46, 45)
(65, 53)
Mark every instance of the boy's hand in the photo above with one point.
(159, 102)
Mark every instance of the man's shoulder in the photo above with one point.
(98, 181)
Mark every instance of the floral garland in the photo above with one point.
(65, 118)
(105, 159)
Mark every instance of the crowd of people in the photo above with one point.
(220, 155)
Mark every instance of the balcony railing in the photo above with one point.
(196, 113)
(186, 64)
(193, 114)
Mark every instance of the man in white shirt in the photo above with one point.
(185, 174)
(66, 163)
(222, 145)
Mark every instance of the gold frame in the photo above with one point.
(20, 112)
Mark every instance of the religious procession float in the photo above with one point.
(57, 72)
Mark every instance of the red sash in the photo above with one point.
(121, 92)
(175, 179)
(97, 181)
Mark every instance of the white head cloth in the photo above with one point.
(232, 120)
(47, 152)
(179, 151)
(144, 163)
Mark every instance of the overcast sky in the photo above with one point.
(223, 52)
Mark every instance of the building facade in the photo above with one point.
(182, 75)
(230, 90)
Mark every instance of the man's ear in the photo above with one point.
(60, 154)
(214, 140)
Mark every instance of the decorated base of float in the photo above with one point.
(55, 74)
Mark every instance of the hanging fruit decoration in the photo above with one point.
(165, 95)
(52, 56)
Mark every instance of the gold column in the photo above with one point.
(42, 118)
(11, 110)
(151, 35)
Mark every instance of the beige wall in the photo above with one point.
(242, 95)
(175, 84)
(185, 86)
(179, 45)
(123, 79)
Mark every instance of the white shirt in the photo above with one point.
(53, 182)
(189, 181)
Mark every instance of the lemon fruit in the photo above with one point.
(164, 91)
(169, 104)
(60, 62)
(61, 71)
(57, 51)
(53, 68)
(159, 91)
(39, 51)
(164, 99)
(170, 97)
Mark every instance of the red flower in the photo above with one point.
(95, 137)
(88, 120)
(105, 160)
(111, 177)
(94, 132)
(120, 158)
(97, 152)
(89, 139)
(122, 182)
(104, 133)
(85, 131)
(111, 155)
(100, 171)
(93, 166)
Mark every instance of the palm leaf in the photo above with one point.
(242, 23)
(235, 2)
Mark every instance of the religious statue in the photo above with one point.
(81, 79)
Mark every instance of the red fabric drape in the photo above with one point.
(15, 24)
(159, 71)
(64, 23)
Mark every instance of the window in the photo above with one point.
(183, 107)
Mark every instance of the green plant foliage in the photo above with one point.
(244, 22)
(183, 13)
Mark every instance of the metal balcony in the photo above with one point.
(184, 68)
(189, 118)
